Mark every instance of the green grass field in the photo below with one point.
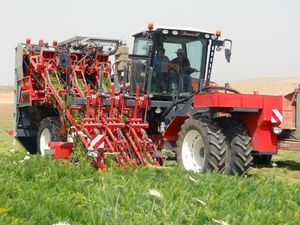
(46, 191)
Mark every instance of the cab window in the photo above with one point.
(141, 46)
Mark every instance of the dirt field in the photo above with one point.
(7, 98)
(276, 86)
(6, 112)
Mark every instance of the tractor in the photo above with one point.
(158, 100)
(209, 127)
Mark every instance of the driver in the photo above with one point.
(162, 78)
(185, 69)
(159, 59)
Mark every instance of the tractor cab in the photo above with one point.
(173, 63)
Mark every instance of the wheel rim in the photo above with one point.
(44, 142)
(193, 151)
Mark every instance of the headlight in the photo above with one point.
(175, 32)
(276, 130)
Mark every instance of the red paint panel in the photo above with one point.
(260, 131)
(174, 127)
(61, 149)
(218, 99)
(271, 102)
(258, 124)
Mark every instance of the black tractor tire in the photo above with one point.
(239, 149)
(262, 159)
(49, 130)
(203, 133)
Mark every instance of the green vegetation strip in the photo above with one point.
(45, 191)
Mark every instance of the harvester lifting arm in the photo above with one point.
(112, 132)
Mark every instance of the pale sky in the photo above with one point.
(265, 33)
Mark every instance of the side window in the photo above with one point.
(193, 53)
(171, 48)
(137, 74)
(141, 46)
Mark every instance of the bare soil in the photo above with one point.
(6, 98)
(6, 118)
(275, 86)
(294, 175)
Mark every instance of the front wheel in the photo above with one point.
(201, 146)
(49, 130)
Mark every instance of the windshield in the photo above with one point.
(178, 63)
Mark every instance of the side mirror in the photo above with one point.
(228, 49)
(227, 55)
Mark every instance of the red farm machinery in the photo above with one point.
(142, 106)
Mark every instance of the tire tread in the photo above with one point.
(214, 140)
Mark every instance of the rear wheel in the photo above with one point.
(262, 159)
(49, 130)
(201, 146)
(239, 149)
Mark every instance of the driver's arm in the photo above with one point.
(188, 67)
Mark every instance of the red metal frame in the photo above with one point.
(289, 111)
(117, 129)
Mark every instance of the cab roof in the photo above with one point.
(170, 28)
